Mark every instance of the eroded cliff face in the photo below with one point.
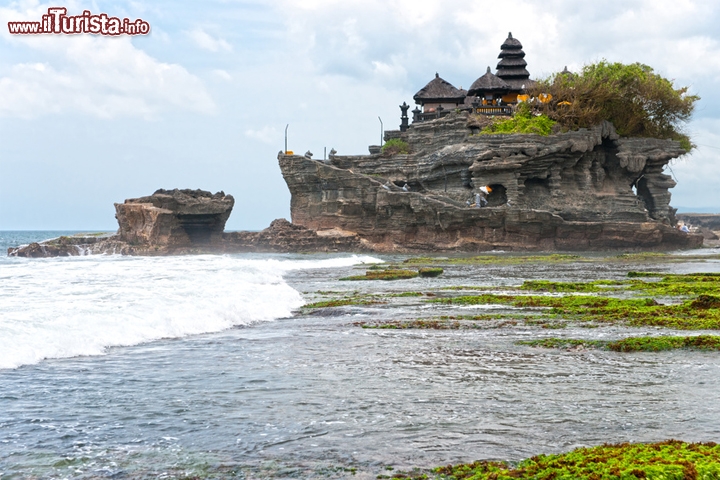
(582, 190)
(174, 218)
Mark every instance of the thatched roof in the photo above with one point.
(510, 73)
(510, 62)
(511, 66)
(511, 43)
(488, 83)
(438, 90)
(511, 53)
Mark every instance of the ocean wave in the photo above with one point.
(59, 308)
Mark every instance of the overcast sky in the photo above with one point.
(203, 100)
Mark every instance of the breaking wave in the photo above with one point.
(67, 307)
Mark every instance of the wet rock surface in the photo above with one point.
(580, 190)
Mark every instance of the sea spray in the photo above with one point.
(66, 307)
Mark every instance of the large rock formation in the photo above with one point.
(581, 190)
(174, 218)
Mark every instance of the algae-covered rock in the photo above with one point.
(430, 271)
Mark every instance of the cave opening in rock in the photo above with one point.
(497, 196)
(200, 228)
(643, 192)
(412, 186)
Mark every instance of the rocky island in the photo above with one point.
(581, 190)
(588, 189)
(577, 165)
(574, 162)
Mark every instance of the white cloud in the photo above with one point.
(698, 173)
(101, 76)
(392, 72)
(203, 40)
(222, 74)
(267, 134)
(105, 77)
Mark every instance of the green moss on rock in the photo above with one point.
(669, 460)
(632, 344)
(430, 271)
(388, 274)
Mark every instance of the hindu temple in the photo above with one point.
(490, 94)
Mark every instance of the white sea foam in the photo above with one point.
(68, 307)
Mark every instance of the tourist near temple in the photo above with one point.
(491, 94)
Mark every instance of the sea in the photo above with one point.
(206, 366)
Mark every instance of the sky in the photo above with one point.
(203, 100)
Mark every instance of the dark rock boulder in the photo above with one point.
(65, 246)
(174, 218)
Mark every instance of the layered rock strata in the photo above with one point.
(284, 237)
(174, 218)
(581, 190)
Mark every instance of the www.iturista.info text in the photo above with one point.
(58, 22)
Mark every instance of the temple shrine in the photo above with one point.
(491, 94)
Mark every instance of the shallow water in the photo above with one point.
(308, 396)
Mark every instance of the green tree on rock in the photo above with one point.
(638, 101)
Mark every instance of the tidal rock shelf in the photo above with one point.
(581, 190)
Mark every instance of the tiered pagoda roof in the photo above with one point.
(439, 90)
(511, 67)
(488, 83)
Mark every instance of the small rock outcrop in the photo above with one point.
(66, 246)
(580, 190)
(174, 218)
(707, 224)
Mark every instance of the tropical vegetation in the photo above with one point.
(638, 101)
